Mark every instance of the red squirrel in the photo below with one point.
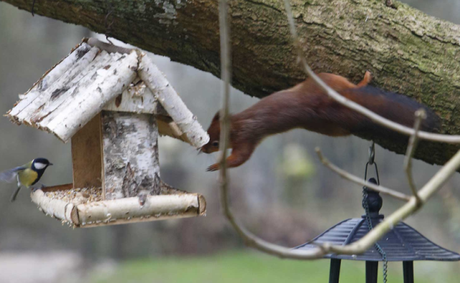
(307, 106)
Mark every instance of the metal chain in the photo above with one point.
(366, 208)
(377, 245)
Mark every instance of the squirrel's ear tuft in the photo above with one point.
(217, 116)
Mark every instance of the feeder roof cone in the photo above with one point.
(402, 243)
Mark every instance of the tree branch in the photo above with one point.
(224, 115)
(361, 35)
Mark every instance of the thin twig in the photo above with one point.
(344, 174)
(413, 142)
(353, 105)
(225, 64)
(248, 237)
(366, 241)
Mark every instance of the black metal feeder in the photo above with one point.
(403, 243)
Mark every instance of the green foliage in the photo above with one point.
(296, 162)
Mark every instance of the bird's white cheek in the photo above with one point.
(39, 166)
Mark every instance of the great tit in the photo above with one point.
(26, 175)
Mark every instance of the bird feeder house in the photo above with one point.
(402, 244)
(111, 103)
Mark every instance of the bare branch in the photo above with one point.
(357, 247)
(344, 174)
(364, 243)
(353, 105)
(224, 116)
(251, 240)
(413, 141)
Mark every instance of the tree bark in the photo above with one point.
(130, 159)
(406, 51)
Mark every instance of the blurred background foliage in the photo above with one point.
(283, 194)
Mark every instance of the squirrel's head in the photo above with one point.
(214, 136)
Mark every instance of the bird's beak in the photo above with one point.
(50, 164)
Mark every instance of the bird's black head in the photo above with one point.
(40, 164)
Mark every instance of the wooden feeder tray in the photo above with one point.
(81, 208)
(112, 103)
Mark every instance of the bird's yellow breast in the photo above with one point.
(27, 177)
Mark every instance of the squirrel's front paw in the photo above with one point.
(213, 167)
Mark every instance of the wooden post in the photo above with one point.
(130, 155)
(86, 155)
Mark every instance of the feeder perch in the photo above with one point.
(111, 103)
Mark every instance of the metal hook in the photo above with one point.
(371, 153)
(371, 162)
(376, 172)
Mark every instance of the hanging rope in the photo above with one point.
(32, 9)
(371, 162)
(108, 21)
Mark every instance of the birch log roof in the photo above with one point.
(96, 76)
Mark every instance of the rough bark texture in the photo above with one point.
(407, 51)
(137, 98)
(130, 158)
